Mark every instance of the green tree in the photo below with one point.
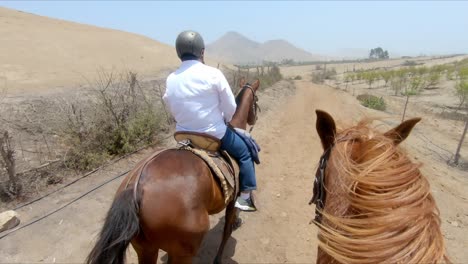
(399, 80)
(412, 88)
(422, 70)
(463, 73)
(370, 78)
(462, 93)
(432, 79)
(378, 53)
(348, 77)
(386, 76)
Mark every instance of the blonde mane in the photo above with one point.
(392, 216)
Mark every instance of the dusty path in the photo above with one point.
(279, 232)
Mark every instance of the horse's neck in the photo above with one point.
(241, 115)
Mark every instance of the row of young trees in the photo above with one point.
(413, 80)
(408, 81)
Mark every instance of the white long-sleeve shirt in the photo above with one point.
(199, 98)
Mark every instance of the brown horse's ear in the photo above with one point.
(402, 131)
(326, 128)
(256, 85)
(242, 82)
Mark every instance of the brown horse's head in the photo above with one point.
(247, 107)
(372, 202)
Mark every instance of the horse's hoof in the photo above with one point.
(237, 223)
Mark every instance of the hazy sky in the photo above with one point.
(405, 28)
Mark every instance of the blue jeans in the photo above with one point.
(236, 147)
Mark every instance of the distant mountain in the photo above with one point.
(236, 48)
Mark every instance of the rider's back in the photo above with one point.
(193, 96)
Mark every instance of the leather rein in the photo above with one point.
(319, 196)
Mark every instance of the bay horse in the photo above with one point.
(168, 207)
(373, 205)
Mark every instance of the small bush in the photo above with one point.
(432, 80)
(409, 63)
(268, 75)
(372, 101)
(298, 77)
(410, 92)
(271, 77)
(320, 77)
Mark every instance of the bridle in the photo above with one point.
(254, 107)
(320, 195)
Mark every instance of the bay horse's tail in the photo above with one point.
(120, 226)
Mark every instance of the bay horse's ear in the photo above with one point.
(326, 128)
(402, 131)
(242, 82)
(256, 85)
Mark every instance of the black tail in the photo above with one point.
(120, 226)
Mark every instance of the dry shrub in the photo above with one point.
(115, 117)
(320, 76)
(268, 75)
(12, 188)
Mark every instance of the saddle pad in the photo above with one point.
(227, 174)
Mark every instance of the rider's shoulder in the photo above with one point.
(212, 70)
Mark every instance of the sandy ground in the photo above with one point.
(279, 232)
(40, 54)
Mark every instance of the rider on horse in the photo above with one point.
(201, 100)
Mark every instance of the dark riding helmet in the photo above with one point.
(189, 44)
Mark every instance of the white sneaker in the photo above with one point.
(245, 205)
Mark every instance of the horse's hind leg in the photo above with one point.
(187, 246)
(146, 256)
(229, 220)
(180, 259)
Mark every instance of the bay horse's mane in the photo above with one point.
(392, 216)
(240, 94)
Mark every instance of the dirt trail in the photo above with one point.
(278, 233)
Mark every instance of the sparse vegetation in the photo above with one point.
(12, 188)
(321, 76)
(433, 79)
(411, 79)
(386, 76)
(409, 63)
(268, 74)
(119, 118)
(370, 77)
(462, 93)
(113, 117)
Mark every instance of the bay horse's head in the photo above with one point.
(247, 107)
(372, 202)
